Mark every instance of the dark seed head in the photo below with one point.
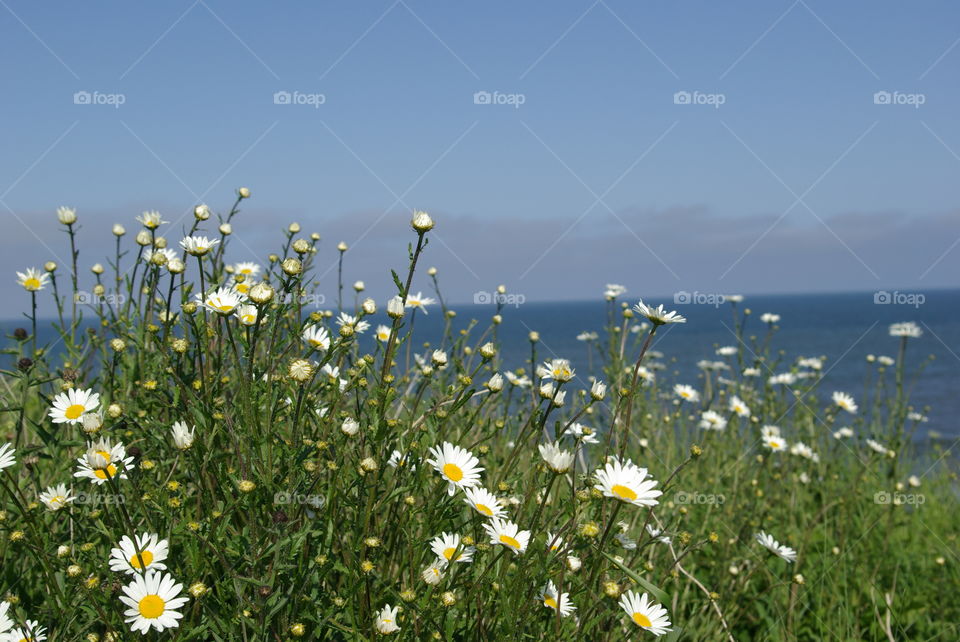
(25, 364)
(20, 334)
(280, 517)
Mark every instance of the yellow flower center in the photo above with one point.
(246, 271)
(59, 499)
(448, 552)
(105, 473)
(151, 606)
(224, 307)
(249, 318)
(453, 472)
(774, 444)
(509, 541)
(74, 411)
(483, 508)
(551, 602)
(641, 620)
(31, 284)
(623, 492)
(147, 557)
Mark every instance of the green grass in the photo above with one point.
(282, 526)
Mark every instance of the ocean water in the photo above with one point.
(842, 328)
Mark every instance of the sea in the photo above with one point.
(842, 328)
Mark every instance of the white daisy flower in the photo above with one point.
(223, 300)
(31, 631)
(506, 533)
(484, 502)
(588, 336)
(6, 456)
(151, 219)
(843, 433)
(246, 268)
(814, 363)
(876, 446)
(167, 254)
(386, 620)
(645, 613)
(906, 329)
(738, 407)
(433, 573)
(554, 542)
(359, 326)
(198, 245)
(382, 333)
(627, 482)
(419, 301)
(400, 460)
(153, 599)
(658, 316)
(247, 314)
(5, 622)
(626, 542)
(802, 450)
(727, 351)
(449, 544)
(884, 360)
(152, 549)
(613, 290)
(556, 601)
(518, 381)
(316, 337)
(56, 497)
(457, 465)
(70, 406)
(104, 461)
(770, 431)
(558, 460)
(581, 433)
(686, 393)
(845, 402)
(775, 547)
(751, 372)
(657, 534)
(783, 379)
(558, 369)
(774, 442)
(769, 318)
(32, 280)
(182, 435)
(711, 420)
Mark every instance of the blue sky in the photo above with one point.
(798, 181)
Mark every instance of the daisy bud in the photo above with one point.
(300, 370)
(534, 336)
(395, 307)
(63, 550)
(501, 289)
(244, 192)
(301, 246)
(294, 228)
(342, 246)
(798, 579)
(598, 391)
(160, 242)
(99, 290)
(176, 266)
(297, 630)
(118, 230)
(359, 286)
(74, 570)
(369, 464)
(201, 212)
(143, 238)
(261, 293)
(226, 229)
(369, 305)
(179, 345)
(611, 589)
(496, 383)
(67, 215)
(349, 427)
(439, 358)
(421, 221)
(114, 410)
(573, 563)
(198, 589)
(92, 422)
(497, 319)
(488, 351)
(449, 598)
(432, 271)
(292, 266)
(314, 236)
(50, 266)
(246, 486)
